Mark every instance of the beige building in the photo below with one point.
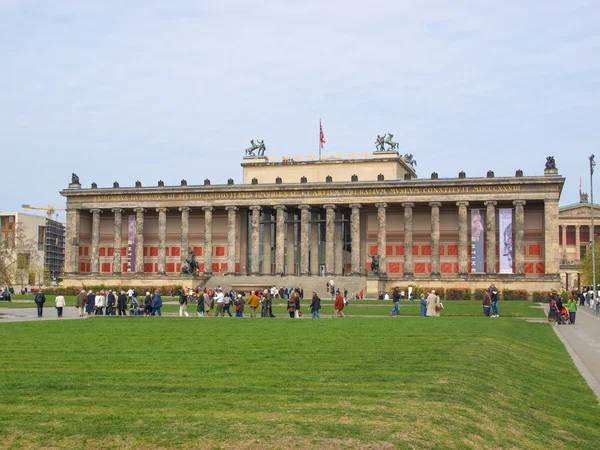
(574, 239)
(310, 220)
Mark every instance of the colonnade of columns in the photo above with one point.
(308, 247)
(563, 240)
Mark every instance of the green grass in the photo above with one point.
(450, 382)
(356, 307)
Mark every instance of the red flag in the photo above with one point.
(322, 136)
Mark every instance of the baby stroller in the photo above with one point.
(563, 316)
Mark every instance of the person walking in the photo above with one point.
(40, 299)
(487, 303)
(183, 301)
(423, 304)
(572, 305)
(396, 300)
(239, 306)
(59, 302)
(315, 306)
(226, 305)
(156, 303)
(122, 304)
(338, 305)
(110, 304)
(494, 297)
(433, 303)
(253, 304)
(91, 303)
(80, 302)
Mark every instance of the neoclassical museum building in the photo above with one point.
(301, 221)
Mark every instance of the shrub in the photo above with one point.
(540, 296)
(514, 294)
(478, 293)
(458, 293)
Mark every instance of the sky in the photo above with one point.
(153, 90)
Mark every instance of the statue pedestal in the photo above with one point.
(255, 159)
(74, 185)
(551, 172)
(386, 154)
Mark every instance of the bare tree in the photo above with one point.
(17, 258)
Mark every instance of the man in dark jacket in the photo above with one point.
(40, 299)
(396, 300)
(315, 306)
(91, 303)
(122, 304)
(156, 303)
(110, 304)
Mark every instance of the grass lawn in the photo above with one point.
(452, 382)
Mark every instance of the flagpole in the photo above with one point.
(319, 139)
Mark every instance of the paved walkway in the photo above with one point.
(582, 340)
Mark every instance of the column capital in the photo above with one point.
(117, 210)
(281, 207)
(184, 208)
(207, 208)
(355, 205)
(462, 203)
(329, 206)
(490, 203)
(231, 208)
(254, 208)
(96, 211)
(71, 208)
(303, 206)
(519, 202)
(381, 205)
(435, 204)
(161, 210)
(139, 210)
(408, 205)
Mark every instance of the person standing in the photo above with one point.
(423, 303)
(291, 307)
(183, 300)
(294, 297)
(572, 304)
(40, 299)
(80, 302)
(396, 300)
(253, 304)
(110, 304)
(433, 303)
(338, 305)
(156, 303)
(239, 306)
(226, 305)
(99, 303)
(91, 303)
(59, 301)
(494, 297)
(218, 298)
(122, 304)
(315, 306)
(486, 303)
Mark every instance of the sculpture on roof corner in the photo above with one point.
(74, 178)
(550, 163)
(381, 141)
(258, 146)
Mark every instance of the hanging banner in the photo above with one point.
(131, 238)
(477, 240)
(506, 240)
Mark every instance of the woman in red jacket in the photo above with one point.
(338, 305)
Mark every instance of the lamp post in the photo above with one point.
(593, 237)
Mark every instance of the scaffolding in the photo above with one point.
(54, 247)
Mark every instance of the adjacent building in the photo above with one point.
(301, 221)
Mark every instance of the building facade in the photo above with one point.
(308, 219)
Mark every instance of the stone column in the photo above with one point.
(290, 256)
(490, 236)
(462, 238)
(95, 240)
(564, 239)
(355, 236)
(408, 239)
(266, 270)
(304, 238)
(435, 238)
(208, 229)
(231, 232)
(577, 243)
(162, 240)
(139, 240)
(185, 233)
(551, 236)
(314, 244)
(118, 230)
(329, 233)
(381, 238)
(519, 242)
(338, 245)
(255, 240)
(72, 241)
(279, 239)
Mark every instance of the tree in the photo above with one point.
(585, 267)
(18, 258)
(408, 157)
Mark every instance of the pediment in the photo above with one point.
(579, 211)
